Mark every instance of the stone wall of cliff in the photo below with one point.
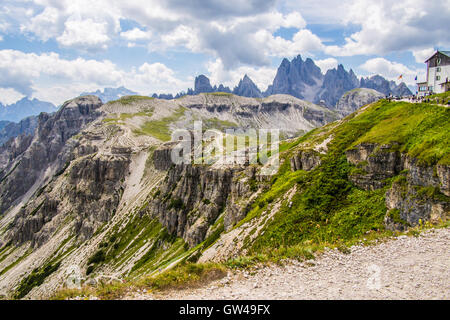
(419, 192)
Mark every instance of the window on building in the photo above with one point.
(438, 77)
(438, 69)
(438, 61)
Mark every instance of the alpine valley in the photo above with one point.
(91, 189)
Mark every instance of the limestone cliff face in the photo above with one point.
(191, 198)
(417, 195)
(355, 99)
(26, 160)
(92, 184)
(305, 160)
(24, 127)
(90, 180)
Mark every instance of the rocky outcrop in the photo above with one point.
(355, 99)
(376, 163)
(384, 86)
(242, 193)
(305, 160)
(247, 88)
(443, 173)
(296, 78)
(202, 85)
(52, 133)
(24, 127)
(191, 199)
(90, 196)
(96, 186)
(408, 205)
(162, 159)
(25, 107)
(335, 83)
(422, 193)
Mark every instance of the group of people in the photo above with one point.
(420, 99)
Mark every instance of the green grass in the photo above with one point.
(327, 209)
(124, 116)
(16, 262)
(121, 244)
(438, 98)
(130, 99)
(182, 276)
(420, 130)
(36, 278)
(220, 94)
(160, 129)
(215, 123)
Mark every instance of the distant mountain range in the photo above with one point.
(110, 94)
(12, 129)
(300, 78)
(24, 108)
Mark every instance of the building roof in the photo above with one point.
(446, 53)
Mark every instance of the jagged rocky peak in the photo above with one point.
(202, 84)
(336, 82)
(23, 108)
(247, 88)
(51, 136)
(355, 99)
(222, 88)
(402, 90)
(384, 86)
(295, 77)
(12, 129)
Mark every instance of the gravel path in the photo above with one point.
(404, 268)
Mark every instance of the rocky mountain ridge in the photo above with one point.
(13, 129)
(302, 79)
(356, 98)
(110, 94)
(91, 173)
(23, 108)
(95, 189)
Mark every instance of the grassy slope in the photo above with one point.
(327, 209)
(160, 129)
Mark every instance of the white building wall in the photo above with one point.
(444, 73)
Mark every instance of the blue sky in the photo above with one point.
(55, 49)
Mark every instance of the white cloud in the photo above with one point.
(49, 77)
(391, 70)
(262, 76)
(9, 96)
(326, 64)
(237, 32)
(294, 20)
(45, 25)
(182, 36)
(422, 55)
(387, 26)
(84, 34)
(136, 34)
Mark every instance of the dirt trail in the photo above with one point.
(404, 268)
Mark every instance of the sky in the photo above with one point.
(53, 50)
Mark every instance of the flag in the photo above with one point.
(400, 77)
